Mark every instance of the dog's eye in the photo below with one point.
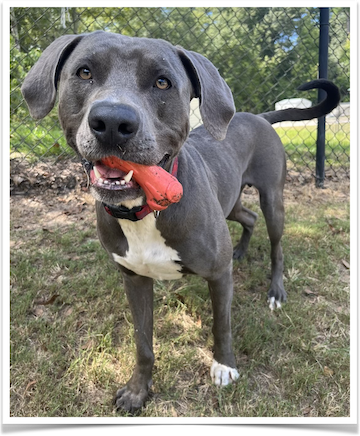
(163, 83)
(84, 73)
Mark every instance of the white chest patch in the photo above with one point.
(148, 255)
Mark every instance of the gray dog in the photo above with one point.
(130, 98)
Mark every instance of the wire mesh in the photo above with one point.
(264, 54)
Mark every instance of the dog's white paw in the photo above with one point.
(222, 375)
(274, 303)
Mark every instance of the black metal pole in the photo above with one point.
(323, 73)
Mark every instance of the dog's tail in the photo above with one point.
(324, 107)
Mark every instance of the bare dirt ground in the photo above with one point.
(46, 196)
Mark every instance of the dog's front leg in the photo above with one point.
(223, 369)
(139, 292)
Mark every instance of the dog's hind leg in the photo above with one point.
(272, 206)
(247, 219)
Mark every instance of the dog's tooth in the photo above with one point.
(106, 182)
(100, 180)
(128, 176)
(97, 174)
(122, 182)
(117, 182)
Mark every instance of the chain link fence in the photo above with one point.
(264, 54)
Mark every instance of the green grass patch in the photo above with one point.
(72, 342)
(38, 140)
(300, 143)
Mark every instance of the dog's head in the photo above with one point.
(125, 97)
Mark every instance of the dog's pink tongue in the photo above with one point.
(109, 173)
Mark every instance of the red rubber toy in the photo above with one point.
(160, 187)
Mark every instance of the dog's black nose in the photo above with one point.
(113, 124)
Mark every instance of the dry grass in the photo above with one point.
(71, 331)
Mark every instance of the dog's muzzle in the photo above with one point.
(119, 211)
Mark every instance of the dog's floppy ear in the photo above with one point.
(40, 84)
(216, 101)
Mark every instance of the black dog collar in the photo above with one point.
(135, 214)
(138, 212)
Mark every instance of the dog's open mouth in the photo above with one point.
(116, 180)
(101, 176)
(113, 179)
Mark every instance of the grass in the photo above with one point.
(72, 340)
(38, 140)
(300, 144)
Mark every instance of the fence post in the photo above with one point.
(323, 72)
